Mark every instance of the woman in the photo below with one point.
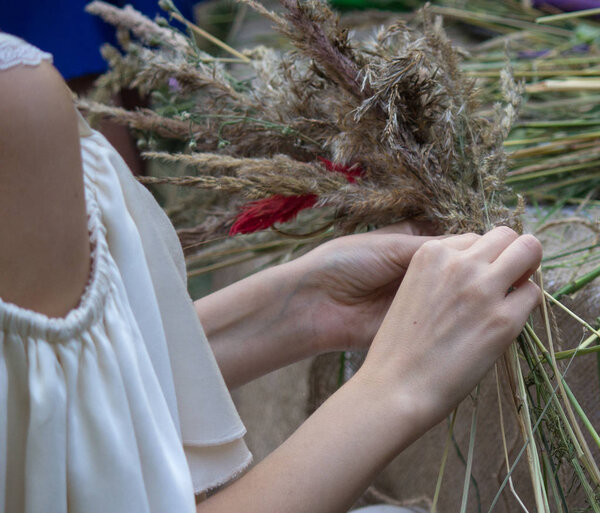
(109, 398)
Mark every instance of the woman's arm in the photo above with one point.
(45, 256)
(256, 325)
(451, 319)
(333, 298)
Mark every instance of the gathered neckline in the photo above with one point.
(29, 323)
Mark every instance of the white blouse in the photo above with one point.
(119, 407)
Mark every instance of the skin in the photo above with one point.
(421, 363)
(435, 312)
(334, 298)
(44, 262)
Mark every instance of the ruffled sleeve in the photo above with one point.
(211, 430)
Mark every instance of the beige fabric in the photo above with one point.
(100, 409)
(198, 398)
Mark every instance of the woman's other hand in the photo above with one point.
(334, 297)
(347, 285)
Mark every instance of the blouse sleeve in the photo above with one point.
(211, 430)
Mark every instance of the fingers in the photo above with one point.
(461, 242)
(404, 228)
(493, 243)
(520, 303)
(409, 228)
(518, 261)
(407, 246)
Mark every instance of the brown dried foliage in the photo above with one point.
(396, 105)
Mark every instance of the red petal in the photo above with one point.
(351, 172)
(264, 213)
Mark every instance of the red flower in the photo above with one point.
(264, 213)
(351, 172)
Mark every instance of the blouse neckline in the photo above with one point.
(29, 323)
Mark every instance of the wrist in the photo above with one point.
(412, 403)
(400, 415)
(305, 307)
(256, 325)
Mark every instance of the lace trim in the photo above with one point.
(15, 51)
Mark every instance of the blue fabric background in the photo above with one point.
(71, 35)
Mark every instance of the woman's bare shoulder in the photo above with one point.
(44, 248)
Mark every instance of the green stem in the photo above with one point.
(577, 284)
(462, 459)
(465, 496)
(531, 336)
(573, 137)
(571, 181)
(558, 123)
(564, 355)
(541, 500)
(550, 172)
(546, 460)
(573, 262)
(529, 64)
(572, 252)
(438, 485)
(586, 486)
(571, 73)
(568, 15)
(570, 400)
(525, 445)
(499, 20)
(584, 418)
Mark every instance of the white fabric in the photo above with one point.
(15, 51)
(207, 415)
(98, 410)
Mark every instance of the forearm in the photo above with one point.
(329, 461)
(422, 362)
(257, 325)
(333, 298)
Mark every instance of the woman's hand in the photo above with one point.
(348, 284)
(335, 297)
(461, 303)
(451, 318)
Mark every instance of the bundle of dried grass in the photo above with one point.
(396, 107)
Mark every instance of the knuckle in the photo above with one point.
(531, 244)
(452, 266)
(429, 249)
(506, 232)
(470, 238)
(482, 292)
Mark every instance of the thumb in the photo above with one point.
(403, 247)
(410, 228)
(396, 251)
